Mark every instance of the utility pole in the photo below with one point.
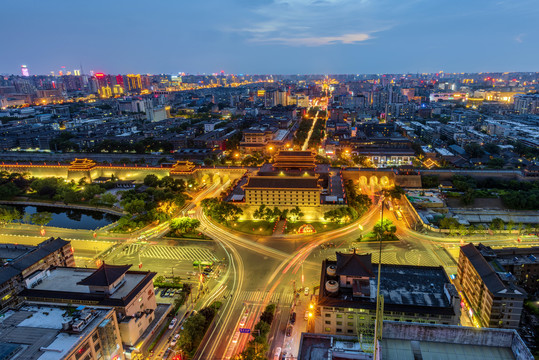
(379, 298)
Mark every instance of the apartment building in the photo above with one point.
(494, 300)
(22, 262)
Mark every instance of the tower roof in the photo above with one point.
(354, 264)
(106, 275)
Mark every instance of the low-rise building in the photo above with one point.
(131, 293)
(50, 332)
(412, 341)
(22, 262)
(493, 298)
(283, 191)
(346, 303)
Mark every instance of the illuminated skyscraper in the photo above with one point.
(134, 82)
(24, 70)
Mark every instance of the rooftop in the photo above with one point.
(106, 275)
(36, 331)
(487, 273)
(282, 182)
(411, 341)
(24, 259)
(64, 283)
(405, 288)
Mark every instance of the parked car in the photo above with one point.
(174, 340)
(289, 330)
(293, 318)
(172, 324)
(306, 315)
(163, 292)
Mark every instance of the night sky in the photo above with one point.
(263, 37)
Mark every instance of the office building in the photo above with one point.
(492, 297)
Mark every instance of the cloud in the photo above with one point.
(520, 38)
(317, 41)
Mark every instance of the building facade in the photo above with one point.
(131, 293)
(22, 262)
(282, 191)
(346, 303)
(492, 302)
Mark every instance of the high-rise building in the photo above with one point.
(493, 299)
(134, 82)
(24, 70)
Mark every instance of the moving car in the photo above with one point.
(306, 292)
(306, 315)
(243, 320)
(172, 323)
(236, 337)
(277, 354)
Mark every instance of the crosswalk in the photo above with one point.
(258, 297)
(170, 252)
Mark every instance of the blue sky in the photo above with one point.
(270, 36)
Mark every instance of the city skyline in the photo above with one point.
(273, 37)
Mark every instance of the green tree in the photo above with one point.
(8, 215)
(108, 199)
(151, 180)
(259, 213)
(193, 331)
(41, 218)
(396, 192)
(385, 229)
(295, 214)
(497, 224)
(474, 150)
(447, 222)
(135, 206)
(468, 197)
(184, 225)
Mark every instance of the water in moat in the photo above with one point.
(71, 218)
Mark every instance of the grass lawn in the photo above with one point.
(319, 226)
(253, 227)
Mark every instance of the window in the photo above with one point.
(328, 322)
(350, 331)
(339, 322)
(339, 316)
(350, 316)
(339, 330)
(328, 315)
(350, 323)
(327, 329)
